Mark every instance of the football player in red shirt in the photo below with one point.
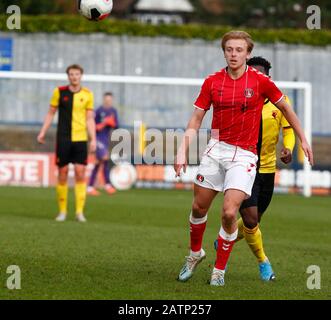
(237, 94)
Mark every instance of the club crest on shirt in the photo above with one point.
(274, 114)
(200, 177)
(249, 93)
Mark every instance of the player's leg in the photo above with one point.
(252, 232)
(202, 200)
(253, 236)
(264, 199)
(106, 172)
(208, 183)
(267, 190)
(249, 219)
(79, 159)
(90, 189)
(248, 212)
(227, 234)
(80, 191)
(62, 161)
(99, 154)
(62, 193)
(239, 178)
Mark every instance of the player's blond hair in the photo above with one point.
(237, 34)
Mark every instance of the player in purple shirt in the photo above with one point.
(106, 120)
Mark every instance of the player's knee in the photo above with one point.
(63, 175)
(250, 216)
(80, 175)
(198, 210)
(80, 178)
(229, 214)
(250, 222)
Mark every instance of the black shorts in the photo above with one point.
(262, 191)
(71, 152)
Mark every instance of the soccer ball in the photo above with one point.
(95, 9)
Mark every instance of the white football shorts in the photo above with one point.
(224, 166)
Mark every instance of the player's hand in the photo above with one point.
(100, 126)
(308, 152)
(41, 138)
(93, 146)
(110, 121)
(286, 155)
(180, 163)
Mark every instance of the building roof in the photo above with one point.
(164, 5)
(122, 6)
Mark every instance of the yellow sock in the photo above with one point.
(80, 196)
(240, 223)
(254, 240)
(62, 197)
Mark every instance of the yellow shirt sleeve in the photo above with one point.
(288, 132)
(55, 98)
(288, 138)
(90, 104)
(284, 122)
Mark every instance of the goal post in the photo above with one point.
(306, 87)
(307, 123)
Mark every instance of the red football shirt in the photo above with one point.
(237, 105)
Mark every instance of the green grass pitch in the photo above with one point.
(134, 244)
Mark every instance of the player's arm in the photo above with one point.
(202, 105)
(91, 129)
(47, 123)
(190, 132)
(270, 91)
(288, 138)
(293, 120)
(288, 144)
(50, 115)
(100, 126)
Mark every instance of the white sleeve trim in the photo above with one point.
(200, 108)
(280, 99)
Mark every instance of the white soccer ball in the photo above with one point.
(123, 176)
(95, 9)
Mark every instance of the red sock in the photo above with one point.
(223, 252)
(196, 234)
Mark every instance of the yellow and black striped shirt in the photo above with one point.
(72, 108)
